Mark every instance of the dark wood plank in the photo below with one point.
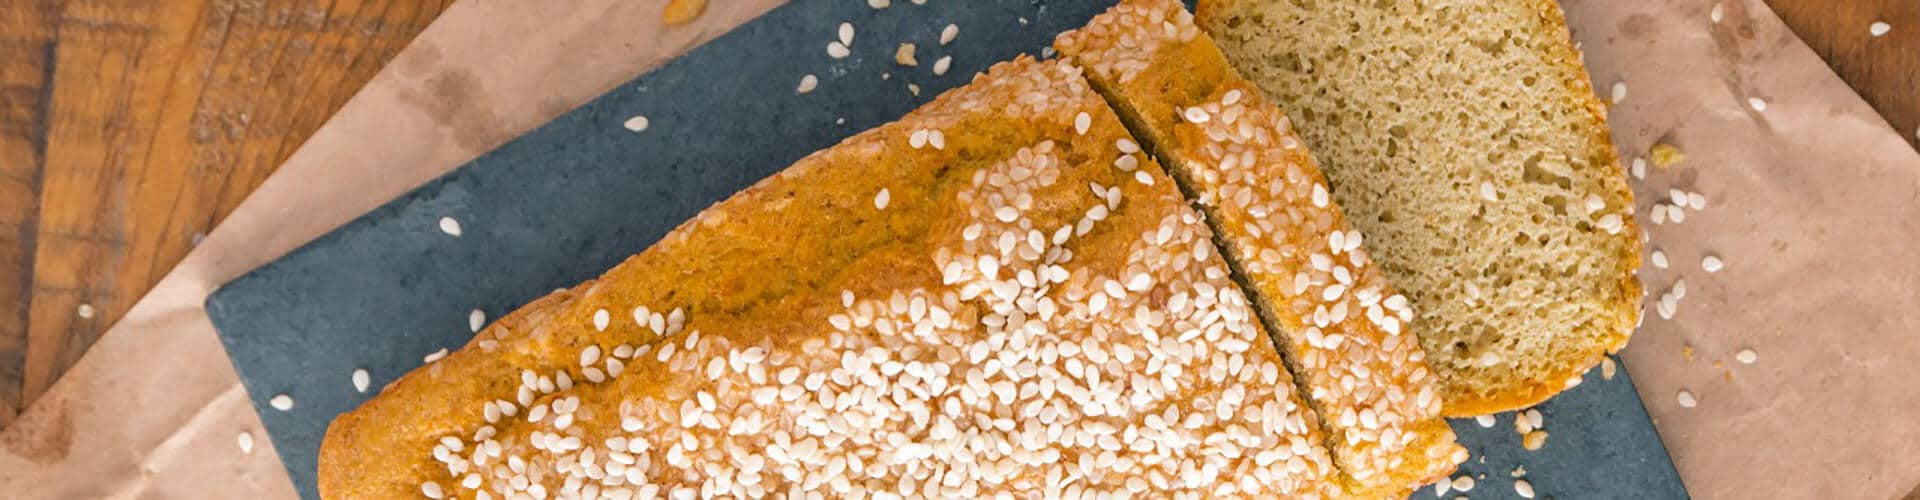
(1885, 70)
(161, 118)
(26, 48)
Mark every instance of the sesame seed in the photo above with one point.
(1711, 264)
(432, 490)
(1757, 104)
(245, 440)
(1686, 399)
(880, 200)
(1489, 192)
(361, 379)
(1486, 421)
(1082, 122)
(1442, 487)
(434, 356)
(1463, 483)
(1534, 440)
(1535, 419)
(1747, 356)
(1127, 146)
(589, 355)
(85, 311)
(1679, 290)
(879, 4)
(1196, 115)
(1719, 12)
(1659, 259)
(1639, 169)
(450, 226)
(846, 34)
(948, 33)
(903, 55)
(476, 319)
(807, 84)
(1523, 488)
(1611, 223)
(1619, 92)
(281, 402)
(1697, 200)
(837, 50)
(940, 65)
(637, 124)
(1879, 28)
(1607, 368)
(601, 318)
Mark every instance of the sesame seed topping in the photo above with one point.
(245, 440)
(601, 318)
(1711, 264)
(361, 380)
(807, 84)
(1081, 122)
(880, 200)
(432, 490)
(434, 356)
(637, 123)
(1757, 104)
(1747, 356)
(949, 33)
(1196, 115)
(450, 226)
(281, 402)
(1879, 28)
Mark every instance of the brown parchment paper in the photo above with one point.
(1814, 204)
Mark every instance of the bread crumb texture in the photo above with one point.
(1465, 141)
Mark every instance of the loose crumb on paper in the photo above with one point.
(1667, 155)
(680, 12)
(903, 55)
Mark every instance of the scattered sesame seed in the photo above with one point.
(1611, 223)
(1535, 419)
(1639, 169)
(361, 380)
(1488, 191)
(281, 402)
(846, 34)
(1679, 288)
(1463, 483)
(879, 4)
(1686, 399)
(476, 319)
(1719, 12)
(1607, 368)
(450, 226)
(807, 84)
(1677, 196)
(940, 65)
(903, 55)
(1619, 92)
(913, 88)
(1523, 488)
(1757, 104)
(1747, 356)
(1534, 440)
(1879, 28)
(601, 318)
(85, 311)
(880, 200)
(245, 440)
(1711, 264)
(435, 355)
(838, 50)
(948, 33)
(1441, 487)
(1675, 214)
(1697, 200)
(1659, 259)
(1486, 421)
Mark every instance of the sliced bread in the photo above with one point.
(1464, 139)
(1339, 323)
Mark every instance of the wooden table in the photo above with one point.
(128, 129)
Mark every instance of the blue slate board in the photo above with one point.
(571, 199)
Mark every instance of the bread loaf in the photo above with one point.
(998, 293)
(1464, 140)
(1340, 324)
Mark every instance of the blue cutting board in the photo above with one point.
(569, 200)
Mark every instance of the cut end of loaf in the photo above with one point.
(1466, 143)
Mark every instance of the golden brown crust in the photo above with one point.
(1232, 151)
(790, 273)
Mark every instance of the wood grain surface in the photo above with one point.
(128, 128)
(1884, 69)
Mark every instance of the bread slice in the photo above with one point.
(1338, 321)
(998, 293)
(1464, 139)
